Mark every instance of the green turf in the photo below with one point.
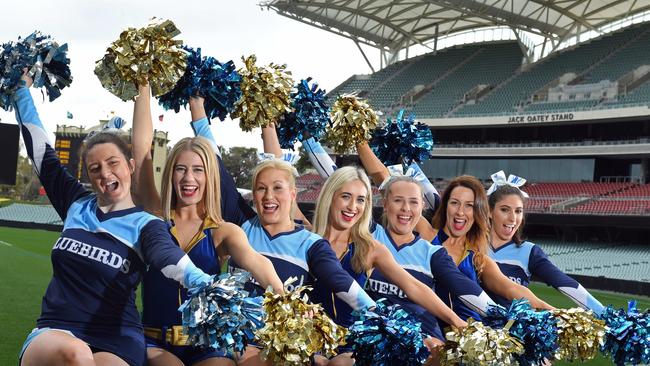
(25, 271)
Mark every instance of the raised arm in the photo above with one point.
(236, 244)
(233, 206)
(320, 160)
(540, 266)
(270, 140)
(272, 146)
(379, 173)
(327, 269)
(141, 139)
(62, 188)
(417, 291)
(376, 170)
(498, 283)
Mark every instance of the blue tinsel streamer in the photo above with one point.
(221, 315)
(386, 335)
(402, 141)
(309, 117)
(46, 60)
(627, 338)
(218, 83)
(536, 330)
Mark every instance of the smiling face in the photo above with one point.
(348, 205)
(507, 216)
(188, 179)
(109, 173)
(460, 211)
(274, 196)
(403, 207)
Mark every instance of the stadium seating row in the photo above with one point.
(448, 74)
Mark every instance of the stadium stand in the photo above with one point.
(612, 260)
(434, 85)
(39, 214)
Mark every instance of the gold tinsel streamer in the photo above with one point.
(147, 54)
(294, 329)
(580, 334)
(480, 345)
(353, 121)
(266, 94)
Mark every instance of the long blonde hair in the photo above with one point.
(212, 196)
(478, 234)
(278, 165)
(360, 232)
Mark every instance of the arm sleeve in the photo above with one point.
(469, 292)
(324, 265)
(431, 195)
(202, 128)
(61, 187)
(233, 206)
(160, 251)
(542, 267)
(321, 160)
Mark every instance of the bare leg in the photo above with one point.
(344, 359)
(54, 347)
(161, 357)
(108, 359)
(251, 357)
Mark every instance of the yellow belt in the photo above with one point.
(173, 335)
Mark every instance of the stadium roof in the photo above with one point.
(395, 25)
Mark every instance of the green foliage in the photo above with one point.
(240, 162)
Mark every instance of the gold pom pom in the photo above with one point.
(266, 94)
(294, 329)
(147, 54)
(352, 123)
(580, 334)
(480, 345)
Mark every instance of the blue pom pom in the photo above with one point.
(221, 315)
(386, 335)
(402, 141)
(47, 62)
(536, 330)
(309, 117)
(218, 83)
(627, 338)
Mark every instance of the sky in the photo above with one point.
(226, 30)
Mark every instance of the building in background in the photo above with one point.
(69, 141)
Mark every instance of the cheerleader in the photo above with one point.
(518, 259)
(190, 203)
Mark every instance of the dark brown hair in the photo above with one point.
(106, 137)
(497, 196)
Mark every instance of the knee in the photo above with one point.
(341, 360)
(76, 353)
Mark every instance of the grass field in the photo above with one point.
(25, 271)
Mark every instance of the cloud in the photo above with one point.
(226, 30)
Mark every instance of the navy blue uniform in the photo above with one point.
(521, 263)
(298, 253)
(447, 291)
(431, 265)
(100, 258)
(161, 298)
(337, 309)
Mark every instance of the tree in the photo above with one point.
(303, 164)
(240, 162)
(27, 184)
